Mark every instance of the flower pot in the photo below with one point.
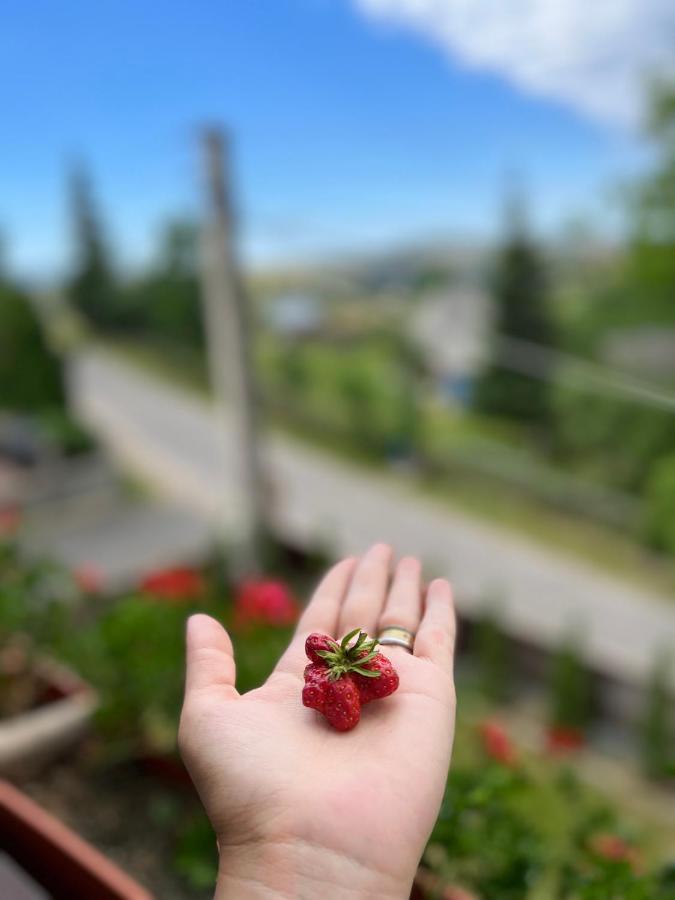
(43, 852)
(31, 739)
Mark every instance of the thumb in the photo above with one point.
(209, 656)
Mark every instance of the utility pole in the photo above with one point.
(228, 340)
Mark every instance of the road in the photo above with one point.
(173, 440)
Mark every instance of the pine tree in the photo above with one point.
(91, 286)
(521, 314)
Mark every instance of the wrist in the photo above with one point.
(296, 869)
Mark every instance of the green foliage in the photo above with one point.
(619, 441)
(134, 656)
(657, 737)
(31, 376)
(165, 301)
(196, 852)
(492, 655)
(571, 697)
(38, 600)
(360, 396)
(660, 505)
(486, 841)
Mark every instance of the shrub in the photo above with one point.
(660, 505)
(570, 691)
(658, 757)
(31, 377)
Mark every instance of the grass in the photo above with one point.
(482, 496)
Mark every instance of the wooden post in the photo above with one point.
(228, 336)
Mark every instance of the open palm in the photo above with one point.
(295, 803)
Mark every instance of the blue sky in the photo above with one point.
(351, 131)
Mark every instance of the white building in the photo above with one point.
(453, 328)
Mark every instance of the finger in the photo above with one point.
(435, 639)
(321, 614)
(322, 611)
(209, 657)
(365, 598)
(403, 606)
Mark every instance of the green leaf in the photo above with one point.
(367, 672)
(347, 638)
(365, 659)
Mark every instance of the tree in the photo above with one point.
(91, 286)
(31, 376)
(164, 302)
(522, 314)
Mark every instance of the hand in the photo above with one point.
(299, 809)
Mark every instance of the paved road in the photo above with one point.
(171, 438)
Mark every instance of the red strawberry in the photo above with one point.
(342, 706)
(376, 688)
(343, 676)
(319, 642)
(314, 691)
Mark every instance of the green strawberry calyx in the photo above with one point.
(344, 658)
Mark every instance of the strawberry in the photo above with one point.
(316, 643)
(342, 706)
(375, 688)
(343, 676)
(316, 682)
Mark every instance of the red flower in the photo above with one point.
(89, 578)
(174, 584)
(10, 519)
(614, 849)
(560, 739)
(496, 742)
(265, 601)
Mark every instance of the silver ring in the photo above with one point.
(397, 636)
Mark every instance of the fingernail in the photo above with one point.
(379, 548)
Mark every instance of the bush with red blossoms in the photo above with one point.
(613, 848)
(561, 740)
(496, 742)
(264, 602)
(174, 584)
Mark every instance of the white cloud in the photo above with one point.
(594, 55)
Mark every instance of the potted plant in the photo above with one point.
(42, 853)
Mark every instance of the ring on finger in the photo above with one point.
(397, 636)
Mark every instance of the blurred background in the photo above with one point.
(281, 280)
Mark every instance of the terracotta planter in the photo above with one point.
(44, 852)
(33, 738)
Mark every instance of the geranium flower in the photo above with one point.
(614, 849)
(265, 601)
(561, 739)
(174, 584)
(10, 519)
(496, 742)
